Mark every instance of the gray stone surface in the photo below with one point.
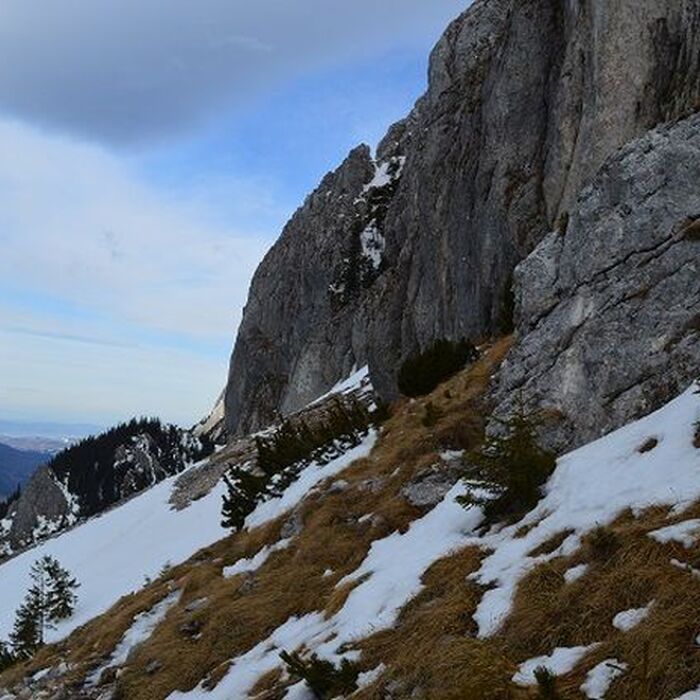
(608, 315)
(42, 500)
(525, 101)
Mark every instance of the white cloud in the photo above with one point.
(77, 225)
(132, 70)
(117, 299)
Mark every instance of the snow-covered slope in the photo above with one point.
(589, 488)
(113, 554)
(651, 462)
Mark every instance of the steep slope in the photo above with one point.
(94, 475)
(525, 101)
(608, 312)
(16, 466)
(598, 582)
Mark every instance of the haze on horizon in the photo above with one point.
(152, 153)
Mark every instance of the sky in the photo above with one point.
(150, 153)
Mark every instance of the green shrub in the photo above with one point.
(323, 678)
(422, 373)
(285, 452)
(511, 466)
(546, 684)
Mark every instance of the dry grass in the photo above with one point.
(664, 661)
(244, 610)
(433, 645)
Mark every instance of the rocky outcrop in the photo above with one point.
(94, 475)
(608, 313)
(525, 101)
(198, 481)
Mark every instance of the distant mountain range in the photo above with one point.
(16, 466)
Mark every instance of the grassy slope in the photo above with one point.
(433, 646)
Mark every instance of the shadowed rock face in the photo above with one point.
(608, 315)
(525, 101)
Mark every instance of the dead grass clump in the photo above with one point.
(648, 445)
(550, 545)
(601, 544)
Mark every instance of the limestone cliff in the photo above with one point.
(526, 99)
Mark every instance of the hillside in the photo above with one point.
(370, 558)
(458, 453)
(93, 475)
(16, 466)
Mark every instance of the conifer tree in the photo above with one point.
(511, 465)
(28, 632)
(60, 597)
(50, 598)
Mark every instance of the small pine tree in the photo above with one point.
(60, 597)
(28, 633)
(323, 678)
(50, 598)
(511, 465)
(546, 684)
(243, 491)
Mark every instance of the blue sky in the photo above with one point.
(152, 152)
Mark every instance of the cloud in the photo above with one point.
(132, 71)
(116, 299)
(78, 227)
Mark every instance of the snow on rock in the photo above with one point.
(629, 619)
(243, 566)
(358, 379)
(600, 678)
(685, 532)
(575, 573)
(560, 661)
(690, 695)
(373, 245)
(590, 487)
(141, 629)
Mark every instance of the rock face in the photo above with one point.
(525, 101)
(608, 314)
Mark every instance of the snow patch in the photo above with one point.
(685, 532)
(629, 619)
(560, 661)
(600, 678)
(575, 573)
(243, 566)
(141, 629)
